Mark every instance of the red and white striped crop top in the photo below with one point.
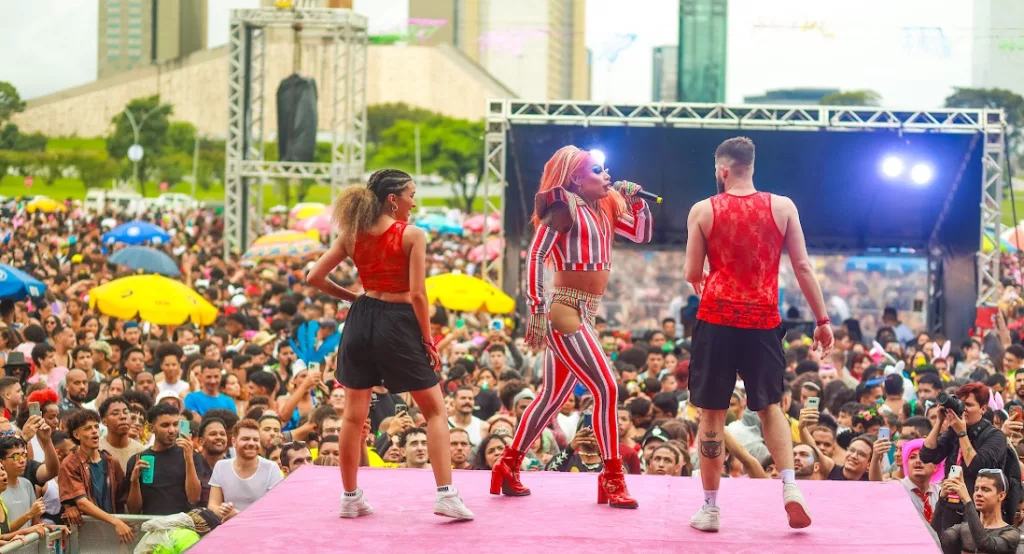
(586, 247)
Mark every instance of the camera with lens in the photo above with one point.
(951, 402)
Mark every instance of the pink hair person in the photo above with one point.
(558, 172)
(909, 448)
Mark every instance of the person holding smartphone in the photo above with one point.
(387, 335)
(971, 442)
(983, 528)
(162, 479)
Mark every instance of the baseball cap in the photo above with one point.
(654, 433)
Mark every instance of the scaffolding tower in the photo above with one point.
(246, 169)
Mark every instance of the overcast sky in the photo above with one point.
(885, 45)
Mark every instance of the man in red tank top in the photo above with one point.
(741, 233)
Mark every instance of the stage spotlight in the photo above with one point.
(598, 156)
(892, 166)
(922, 174)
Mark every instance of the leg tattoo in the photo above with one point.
(709, 447)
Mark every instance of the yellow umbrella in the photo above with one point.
(463, 293)
(307, 209)
(154, 298)
(45, 205)
(285, 244)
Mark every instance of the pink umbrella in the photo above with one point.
(320, 222)
(492, 248)
(475, 224)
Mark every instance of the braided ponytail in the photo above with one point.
(357, 208)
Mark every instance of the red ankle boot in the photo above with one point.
(505, 475)
(611, 486)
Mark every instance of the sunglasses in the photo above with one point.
(998, 472)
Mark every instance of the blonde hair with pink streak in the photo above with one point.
(566, 163)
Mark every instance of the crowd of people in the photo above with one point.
(103, 416)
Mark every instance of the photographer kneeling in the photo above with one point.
(969, 440)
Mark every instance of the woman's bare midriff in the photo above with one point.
(393, 297)
(594, 282)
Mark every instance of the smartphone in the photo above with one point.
(955, 472)
(460, 323)
(813, 402)
(147, 473)
(918, 305)
(33, 409)
(184, 428)
(314, 366)
(883, 434)
(1016, 413)
(190, 349)
(497, 325)
(588, 419)
(401, 409)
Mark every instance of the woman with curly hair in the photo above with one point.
(387, 335)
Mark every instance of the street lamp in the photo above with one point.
(135, 151)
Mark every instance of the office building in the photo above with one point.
(535, 47)
(137, 33)
(702, 50)
(666, 74)
(998, 51)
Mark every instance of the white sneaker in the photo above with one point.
(706, 519)
(796, 509)
(355, 506)
(449, 504)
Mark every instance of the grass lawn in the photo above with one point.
(63, 188)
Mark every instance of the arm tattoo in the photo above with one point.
(710, 448)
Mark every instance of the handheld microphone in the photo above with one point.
(649, 196)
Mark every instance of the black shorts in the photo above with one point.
(720, 352)
(382, 344)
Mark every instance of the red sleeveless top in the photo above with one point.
(382, 264)
(744, 248)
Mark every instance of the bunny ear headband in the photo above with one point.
(877, 353)
(940, 352)
(895, 369)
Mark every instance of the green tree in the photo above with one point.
(10, 101)
(95, 171)
(451, 148)
(152, 117)
(852, 98)
(11, 138)
(181, 137)
(381, 117)
(1011, 103)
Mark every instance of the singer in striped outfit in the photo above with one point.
(576, 213)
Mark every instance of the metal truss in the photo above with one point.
(992, 182)
(495, 142)
(739, 116)
(501, 114)
(246, 170)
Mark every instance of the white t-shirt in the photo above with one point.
(473, 429)
(244, 492)
(177, 388)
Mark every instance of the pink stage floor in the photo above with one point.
(301, 515)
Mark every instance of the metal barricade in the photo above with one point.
(34, 544)
(95, 536)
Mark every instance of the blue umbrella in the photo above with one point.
(436, 223)
(15, 284)
(136, 232)
(144, 258)
(432, 222)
